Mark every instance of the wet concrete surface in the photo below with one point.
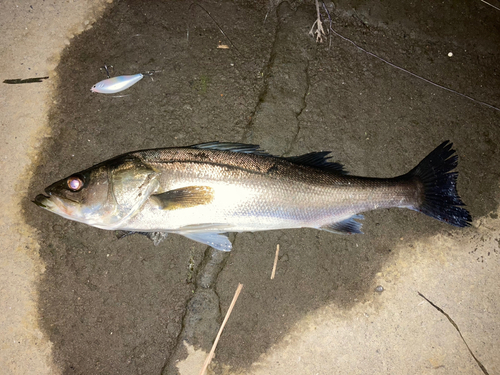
(124, 306)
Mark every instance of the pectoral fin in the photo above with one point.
(189, 196)
(349, 226)
(218, 241)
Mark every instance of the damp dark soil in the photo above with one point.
(114, 306)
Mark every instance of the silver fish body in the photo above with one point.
(204, 191)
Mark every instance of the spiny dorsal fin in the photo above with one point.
(318, 160)
(189, 196)
(233, 147)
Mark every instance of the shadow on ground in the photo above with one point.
(116, 306)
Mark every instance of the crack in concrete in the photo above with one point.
(204, 304)
(286, 83)
(299, 113)
(201, 320)
(481, 366)
(266, 73)
(284, 93)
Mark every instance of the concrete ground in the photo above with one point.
(74, 299)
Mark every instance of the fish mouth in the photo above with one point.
(43, 201)
(55, 204)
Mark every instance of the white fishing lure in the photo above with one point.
(116, 84)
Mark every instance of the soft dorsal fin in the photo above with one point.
(318, 160)
(233, 147)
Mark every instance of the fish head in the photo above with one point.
(103, 196)
(82, 197)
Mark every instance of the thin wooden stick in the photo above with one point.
(212, 351)
(275, 261)
(490, 5)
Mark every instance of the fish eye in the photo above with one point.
(75, 183)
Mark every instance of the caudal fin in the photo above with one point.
(440, 197)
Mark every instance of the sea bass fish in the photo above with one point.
(205, 191)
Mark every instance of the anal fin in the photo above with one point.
(347, 226)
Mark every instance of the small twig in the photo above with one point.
(268, 12)
(213, 19)
(212, 351)
(275, 261)
(490, 5)
(458, 330)
(320, 32)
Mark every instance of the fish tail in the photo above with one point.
(439, 198)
